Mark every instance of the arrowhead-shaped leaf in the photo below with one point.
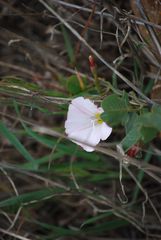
(115, 109)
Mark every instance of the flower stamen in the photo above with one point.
(98, 118)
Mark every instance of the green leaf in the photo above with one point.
(115, 109)
(143, 127)
(151, 120)
(131, 138)
(156, 109)
(132, 122)
(147, 134)
(74, 86)
(17, 144)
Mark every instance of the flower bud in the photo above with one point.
(133, 151)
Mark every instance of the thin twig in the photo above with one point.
(133, 18)
(149, 28)
(11, 234)
(149, 101)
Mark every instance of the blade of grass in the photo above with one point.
(31, 197)
(17, 144)
(96, 218)
(57, 231)
(68, 44)
(44, 159)
(107, 226)
(141, 176)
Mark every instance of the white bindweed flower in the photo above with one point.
(84, 125)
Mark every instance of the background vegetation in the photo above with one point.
(51, 188)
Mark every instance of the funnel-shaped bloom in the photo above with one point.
(84, 125)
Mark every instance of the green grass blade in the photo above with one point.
(96, 218)
(31, 197)
(68, 44)
(141, 176)
(17, 144)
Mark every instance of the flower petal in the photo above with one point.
(82, 126)
(87, 138)
(85, 105)
(87, 148)
(90, 136)
(94, 137)
(80, 137)
(76, 126)
(100, 109)
(75, 114)
(105, 131)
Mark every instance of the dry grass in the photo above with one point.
(50, 188)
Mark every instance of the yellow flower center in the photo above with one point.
(98, 118)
